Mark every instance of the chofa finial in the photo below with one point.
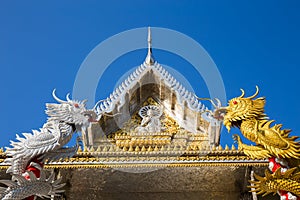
(149, 59)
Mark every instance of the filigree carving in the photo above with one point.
(151, 122)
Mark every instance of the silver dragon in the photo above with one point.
(23, 188)
(27, 155)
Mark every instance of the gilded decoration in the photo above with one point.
(272, 143)
(137, 135)
(106, 158)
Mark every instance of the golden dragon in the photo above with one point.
(272, 142)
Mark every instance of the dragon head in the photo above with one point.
(71, 112)
(241, 108)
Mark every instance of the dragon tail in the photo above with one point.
(24, 188)
(271, 183)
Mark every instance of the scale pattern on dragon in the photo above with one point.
(28, 154)
(272, 142)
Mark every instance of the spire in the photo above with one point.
(149, 59)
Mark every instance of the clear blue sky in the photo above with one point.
(43, 43)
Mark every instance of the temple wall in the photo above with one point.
(171, 183)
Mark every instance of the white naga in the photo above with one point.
(41, 187)
(27, 155)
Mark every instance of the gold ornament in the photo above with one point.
(247, 114)
(271, 183)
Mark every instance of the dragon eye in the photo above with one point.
(234, 102)
(76, 105)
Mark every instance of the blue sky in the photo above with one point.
(42, 45)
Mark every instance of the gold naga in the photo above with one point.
(272, 142)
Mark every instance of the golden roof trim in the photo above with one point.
(150, 165)
(89, 158)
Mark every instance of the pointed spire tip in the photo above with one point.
(149, 59)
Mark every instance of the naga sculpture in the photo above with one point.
(41, 187)
(272, 142)
(28, 154)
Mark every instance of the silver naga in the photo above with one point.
(31, 150)
(23, 188)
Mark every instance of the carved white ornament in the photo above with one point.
(150, 122)
(31, 150)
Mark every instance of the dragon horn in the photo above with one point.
(255, 94)
(243, 93)
(68, 97)
(56, 98)
(211, 101)
(84, 101)
(218, 102)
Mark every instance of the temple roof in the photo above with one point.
(150, 65)
(151, 81)
(182, 93)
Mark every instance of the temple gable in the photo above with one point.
(154, 89)
(150, 109)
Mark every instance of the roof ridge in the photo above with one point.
(118, 95)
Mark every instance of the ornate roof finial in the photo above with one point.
(149, 59)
